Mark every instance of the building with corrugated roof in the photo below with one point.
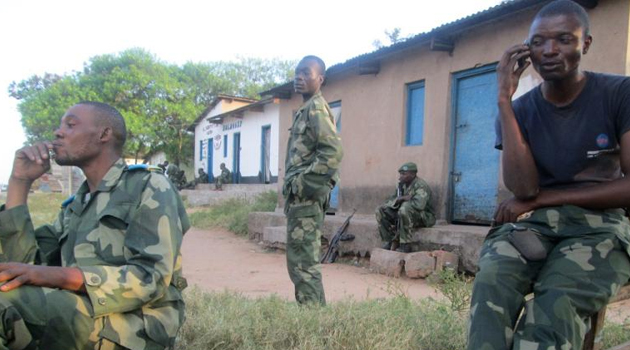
(432, 99)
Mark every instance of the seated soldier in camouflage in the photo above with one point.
(224, 178)
(202, 179)
(409, 207)
(107, 274)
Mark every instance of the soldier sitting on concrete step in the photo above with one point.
(409, 207)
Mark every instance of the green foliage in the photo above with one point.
(44, 207)
(457, 288)
(614, 334)
(233, 322)
(232, 213)
(159, 100)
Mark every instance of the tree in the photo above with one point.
(393, 36)
(159, 100)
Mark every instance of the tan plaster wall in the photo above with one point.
(373, 106)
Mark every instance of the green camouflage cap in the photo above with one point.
(409, 166)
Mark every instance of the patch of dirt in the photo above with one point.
(218, 260)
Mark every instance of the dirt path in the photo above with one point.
(218, 260)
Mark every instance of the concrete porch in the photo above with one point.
(204, 194)
(465, 241)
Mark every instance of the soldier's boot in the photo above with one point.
(387, 246)
(404, 248)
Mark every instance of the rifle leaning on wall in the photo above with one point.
(333, 248)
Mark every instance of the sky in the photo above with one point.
(38, 36)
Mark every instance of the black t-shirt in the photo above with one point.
(578, 144)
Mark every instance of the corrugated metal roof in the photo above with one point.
(442, 32)
(214, 103)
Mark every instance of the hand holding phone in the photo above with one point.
(521, 61)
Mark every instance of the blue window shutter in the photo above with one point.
(415, 114)
(200, 149)
(225, 146)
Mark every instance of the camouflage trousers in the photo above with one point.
(51, 319)
(304, 224)
(218, 183)
(403, 220)
(586, 264)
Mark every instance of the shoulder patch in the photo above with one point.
(67, 202)
(145, 167)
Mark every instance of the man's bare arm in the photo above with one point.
(17, 274)
(519, 169)
(608, 195)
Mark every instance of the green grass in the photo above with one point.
(44, 207)
(232, 213)
(233, 322)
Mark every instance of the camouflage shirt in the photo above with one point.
(313, 152)
(126, 239)
(420, 196)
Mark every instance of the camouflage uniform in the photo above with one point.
(417, 212)
(126, 239)
(202, 179)
(313, 157)
(587, 262)
(224, 178)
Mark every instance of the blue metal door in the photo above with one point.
(210, 148)
(335, 107)
(475, 163)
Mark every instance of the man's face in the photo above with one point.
(77, 138)
(307, 79)
(406, 177)
(557, 44)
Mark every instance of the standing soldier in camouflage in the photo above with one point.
(224, 178)
(410, 206)
(564, 236)
(107, 274)
(312, 161)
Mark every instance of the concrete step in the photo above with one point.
(275, 236)
(463, 240)
(204, 194)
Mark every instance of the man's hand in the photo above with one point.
(17, 274)
(401, 199)
(507, 75)
(509, 210)
(31, 162)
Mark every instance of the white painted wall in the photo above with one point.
(250, 129)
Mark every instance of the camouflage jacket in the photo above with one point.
(226, 175)
(420, 196)
(313, 152)
(126, 239)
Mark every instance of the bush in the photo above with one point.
(232, 213)
(457, 288)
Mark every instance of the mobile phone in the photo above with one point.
(521, 61)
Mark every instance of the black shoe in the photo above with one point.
(387, 246)
(404, 248)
